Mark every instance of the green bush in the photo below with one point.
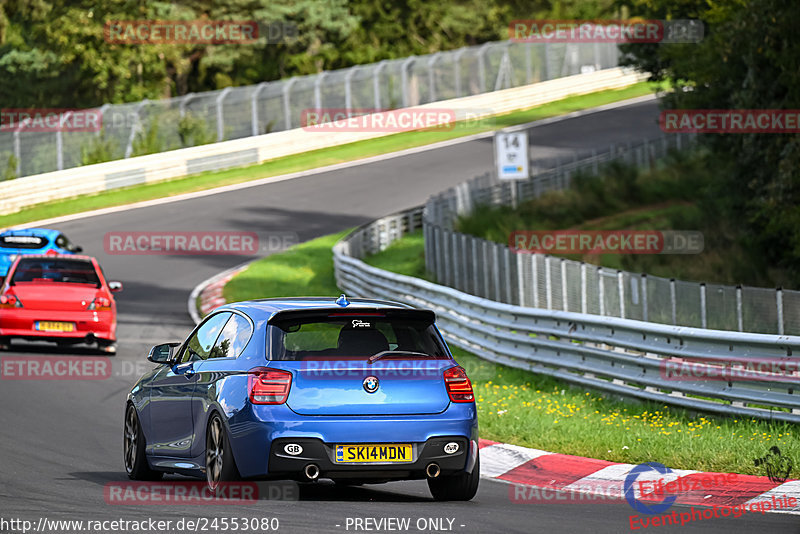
(99, 150)
(194, 131)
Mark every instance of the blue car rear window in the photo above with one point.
(355, 337)
(33, 242)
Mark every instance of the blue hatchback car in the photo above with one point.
(360, 391)
(32, 241)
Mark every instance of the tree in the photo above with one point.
(749, 59)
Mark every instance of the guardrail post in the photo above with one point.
(528, 61)
(220, 117)
(287, 109)
(254, 107)
(456, 263)
(779, 303)
(17, 146)
(376, 84)
(448, 259)
(482, 66)
(437, 232)
(546, 61)
(431, 76)
(135, 128)
(564, 304)
(60, 140)
(103, 109)
(596, 58)
(673, 301)
(426, 243)
(506, 252)
(496, 270)
(318, 89)
(739, 321)
(485, 273)
(644, 298)
(535, 280)
(548, 283)
(584, 295)
(404, 80)
(457, 69)
(348, 89)
(475, 265)
(703, 320)
(621, 289)
(601, 291)
(520, 279)
(464, 263)
(504, 71)
(184, 102)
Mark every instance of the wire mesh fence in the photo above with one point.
(498, 272)
(235, 112)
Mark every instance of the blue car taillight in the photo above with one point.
(268, 386)
(458, 385)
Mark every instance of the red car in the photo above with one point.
(65, 299)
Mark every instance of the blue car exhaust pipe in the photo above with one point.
(311, 471)
(432, 470)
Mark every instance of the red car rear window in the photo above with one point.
(58, 270)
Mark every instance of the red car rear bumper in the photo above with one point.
(22, 323)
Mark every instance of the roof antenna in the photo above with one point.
(342, 301)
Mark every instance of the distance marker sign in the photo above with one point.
(511, 155)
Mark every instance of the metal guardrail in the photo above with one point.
(21, 192)
(493, 270)
(620, 356)
(238, 112)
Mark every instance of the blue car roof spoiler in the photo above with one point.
(394, 313)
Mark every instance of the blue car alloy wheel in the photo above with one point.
(352, 390)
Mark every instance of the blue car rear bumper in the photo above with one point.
(254, 429)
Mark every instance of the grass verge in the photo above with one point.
(310, 160)
(523, 408)
(680, 192)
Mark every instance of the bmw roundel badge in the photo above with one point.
(371, 384)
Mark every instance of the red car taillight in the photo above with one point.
(268, 386)
(10, 300)
(100, 303)
(458, 385)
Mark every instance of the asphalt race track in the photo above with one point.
(61, 441)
